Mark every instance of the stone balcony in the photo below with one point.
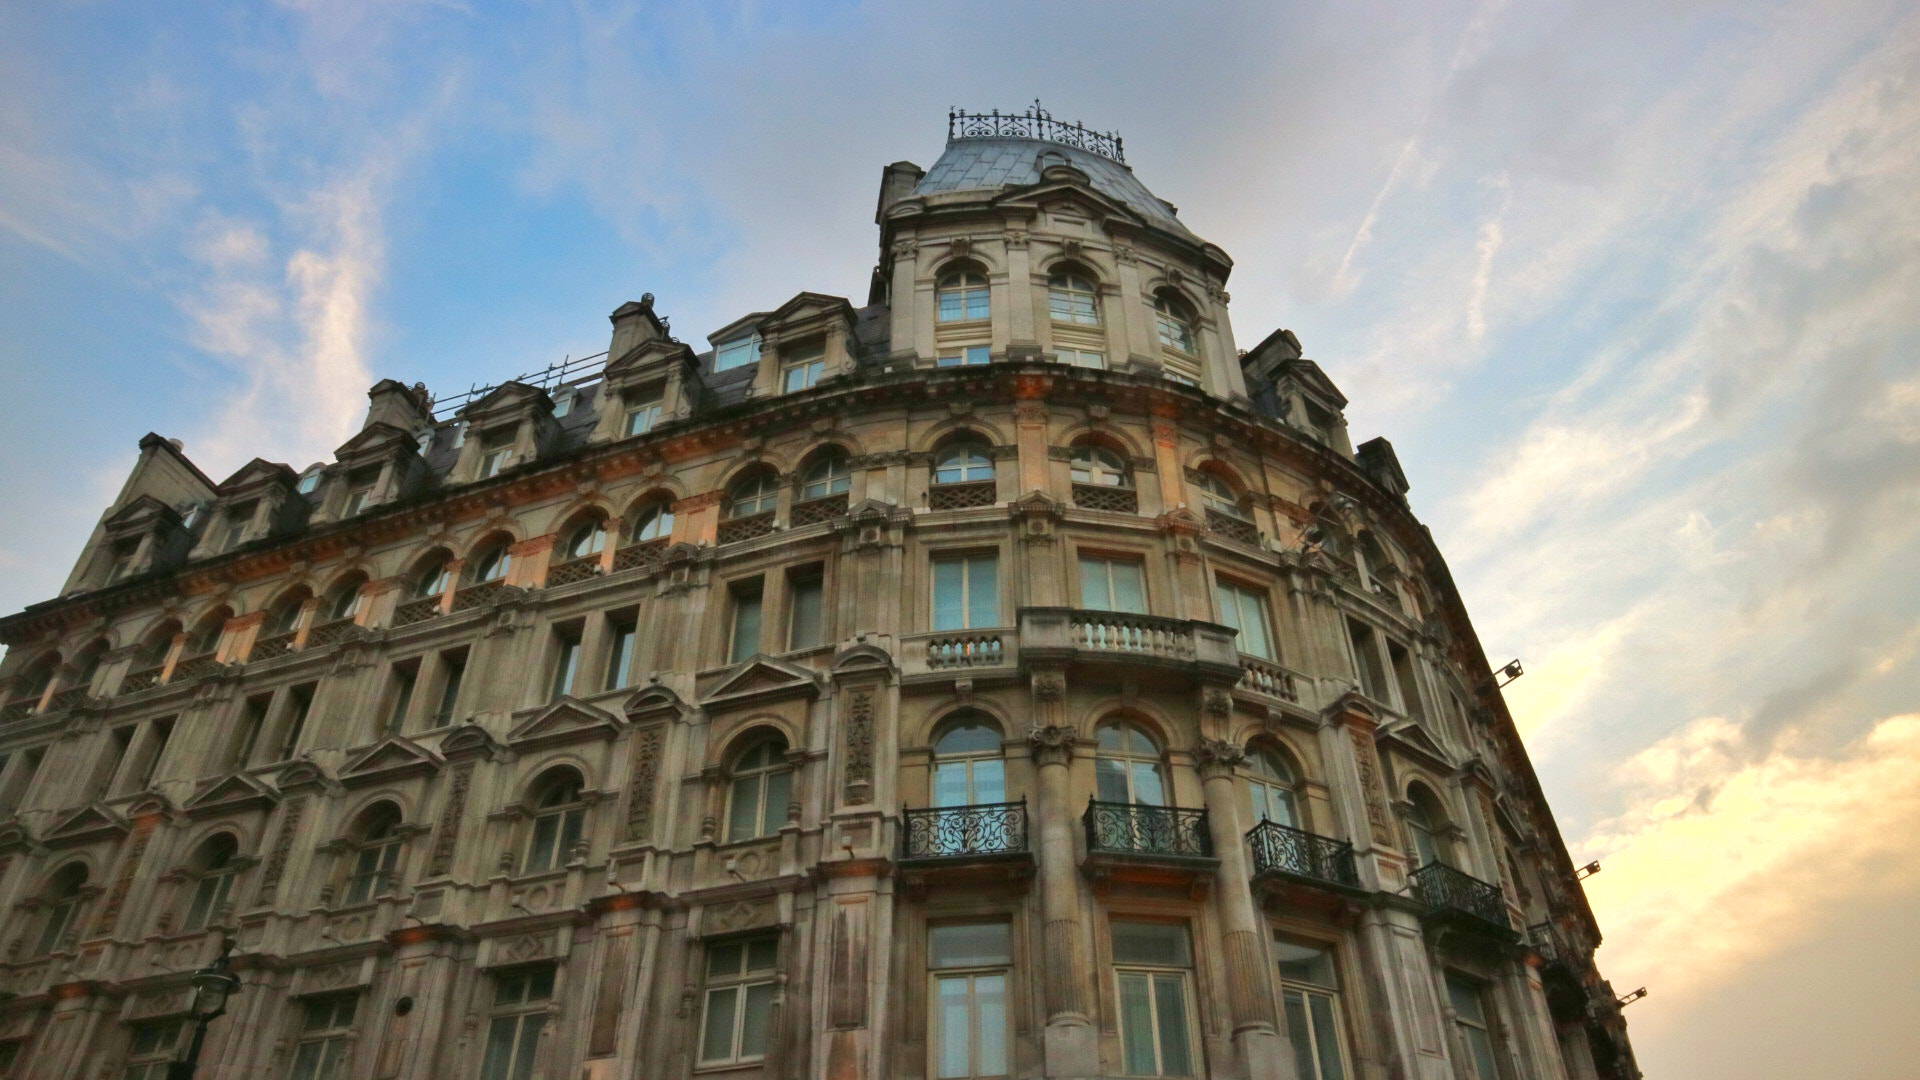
(1073, 636)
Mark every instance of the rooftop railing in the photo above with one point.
(1034, 123)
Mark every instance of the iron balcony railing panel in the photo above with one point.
(647, 553)
(1283, 849)
(193, 667)
(751, 527)
(269, 647)
(814, 511)
(1133, 829)
(414, 611)
(1445, 889)
(72, 697)
(1034, 123)
(1117, 500)
(478, 594)
(961, 496)
(145, 679)
(1233, 528)
(328, 633)
(572, 570)
(958, 832)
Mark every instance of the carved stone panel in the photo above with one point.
(447, 835)
(123, 882)
(276, 864)
(859, 750)
(646, 771)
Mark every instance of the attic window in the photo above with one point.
(309, 482)
(359, 491)
(562, 402)
(734, 354)
(496, 452)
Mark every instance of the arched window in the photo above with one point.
(1126, 766)
(213, 869)
(1175, 322)
(374, 864)
(961, 296)
(206, 636)
(492, 565)
(87, 664)
(559, 820)
(969, 767)
(762, 788)
(284, 615)
(32, 684)
(1217, 495)
(63, 899)
(1271, 790)
(153, 652)
(1100, 467)
(831, 475)
(1424, 818)
(433, 578)
(962, 462)
(587, 539)
(344, 603)
(653, 521)
(756, 493)
(1072, 298)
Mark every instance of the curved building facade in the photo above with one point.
(1007, 676)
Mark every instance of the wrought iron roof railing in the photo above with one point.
(571, 369)
(1283, 849)
(959, 832)
(1133, 829)
(1445, 889)
(1034, 123)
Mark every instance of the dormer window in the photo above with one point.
(122, 565)
(1175, 323)
(359, 491)
(962, 297)
(736, 354)
(562, 402)
(803, 370)
(643, 412)
(233, 526)
(496, 452)
(309, 482)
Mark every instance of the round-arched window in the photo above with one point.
(969, 767)
(653, 522)
(962, 463)
(493, 565)
(961, 296)
(762, 788)
(1216, 494)
(1174, 321)
(1271, 790)
(285, 616)
(1072, 298)
(346, 599)
(212, 866)
(378, 840)
(587, 539)
(433, 580)
(1100, 467)
(62, 899)
(1423, 820)
(758, 493)
(831, 475)
(1126, 766)
(559, 820)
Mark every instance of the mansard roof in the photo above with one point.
(969, 164)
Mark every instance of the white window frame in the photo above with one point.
(803, 370)
(1104, 565)
(739, 984)
(1153, 973)
(1081, 358)
(1234, 600)
(768, 819)
(737, 353)
(1080, 296)
(965, 286)
(640, 417)
(965, 356)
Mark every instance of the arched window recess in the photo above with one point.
(824, 487)
(963, 475)
(581, 546)
(751, 502)
(760, 789)
(648, 530)
(971, 813)
(1102, 479)
(559, 821)
(1130, 813)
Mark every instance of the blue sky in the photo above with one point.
(1629, 286)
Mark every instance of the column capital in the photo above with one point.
(1053, 743)
(1217, 758)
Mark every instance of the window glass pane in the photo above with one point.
(746, 626)
(306, 1061)
(969, 739)
(989, 781)
(723, 959)
(950, 784)
(1129, 590)
(743, 809)
(949, 610)
(1147, 789)
(530, 1026)
(1302, 1036)
(1094, 593)
(540, 852)
(1136, 1025)
(990, 1011)
(1326, 1037)
(1480, 1045)
(955, 1028)
(717, 1043)
(809, 597)
(762, 952)
(1170, 1001)
(983, 591)
(1110, 777)
(1302, 963)
(570, 828)
(758, 1021)
(1466, 1000)
(735, 354)
(779, 786)
(971, 945)
(1164, 944)
(499, 1060)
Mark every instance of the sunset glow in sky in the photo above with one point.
(1634, 289)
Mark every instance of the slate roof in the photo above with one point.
(969, 164)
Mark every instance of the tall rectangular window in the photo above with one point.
(405, 676)
(1403, 677)
(153, 1047)
(326, 1038)
(642, 414)
(803, 369)
(1112, 585)
(14, 785)
(966, 592)
(118, 743)
(359, 491)
(566, 661)
(806, 614)
(253, 717)
(162, 731)
(1310, 987)
(1473, 1021)
(1366, 659)
(233, 525)
(513, 1033)
(970, 979)
(1151, 962)
(299, 703)
(743, 638)
(622, 633)
(1245, 610)
(453, 672)
(496, 451)
(737, 1017)
(123, 553)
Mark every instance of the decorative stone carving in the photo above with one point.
(646, 772)
(1378, 824)
(1049, 689)
(440, 860)
(1053, 742)
(739, 915)
(123, 883)
(1218, 703)
(859, 750)
(1217, 757)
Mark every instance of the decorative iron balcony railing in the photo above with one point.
(1099, 497)
(1283, 849)
(144, 679)
(1034, 123)
(478, 594)
(71, 697)
(814, 511)
(572, 570)
(1132, 829)
(1233, 528)
(414, 611)
(750, 527)
(1445, 889)
(957, 832)
(1552, 945)
(269, 647)
(647, 553)
(961, 496)
(192, 667)
(338, 630)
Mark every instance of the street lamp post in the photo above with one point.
(212, 986)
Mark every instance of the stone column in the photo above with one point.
(1263, 1049)
(1071, 1044)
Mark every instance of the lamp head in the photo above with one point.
(213, 985)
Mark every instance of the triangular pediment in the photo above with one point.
(88, 823)
(807, 305)
(566, 720)
(762, 675)
(236, 792)
(391, 757)
(143, 510)
(1411, 737)
(1310, 378)
(501, 400)
(655, 702)
(1066, 196)
(657, 352)
(258, 472)
(373, 440)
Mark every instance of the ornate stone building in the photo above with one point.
(1007, 676)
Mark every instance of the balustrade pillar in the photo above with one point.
(1265, 1053)
(1072, 1048)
